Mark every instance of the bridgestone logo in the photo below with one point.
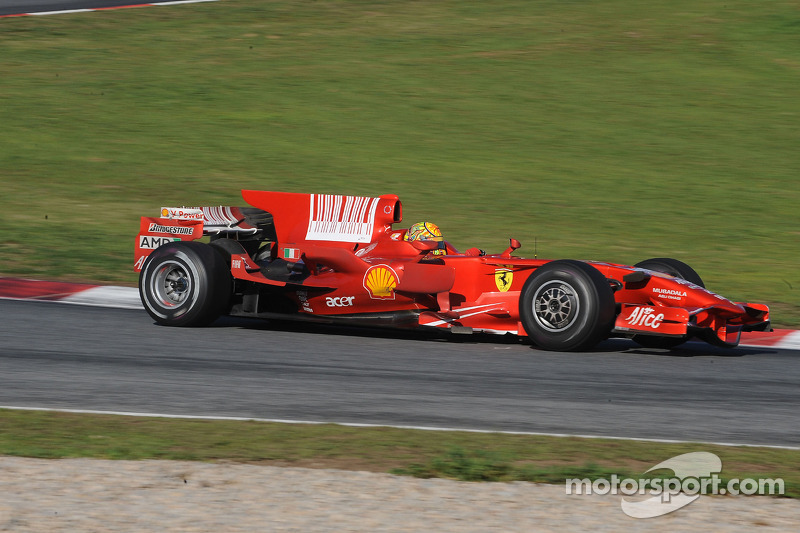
(170, 230)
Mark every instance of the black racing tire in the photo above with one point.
(567, 305)
(673, 267)
(676, 268)
(185, 284)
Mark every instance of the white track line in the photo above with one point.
(180, 2)
(111, 296)
(110, 8)
(360, 425)
(62, 12)
(790, 342)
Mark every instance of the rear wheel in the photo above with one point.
(567, 306)
(185, 284)
(676, 268)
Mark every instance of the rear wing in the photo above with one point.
(192, 223)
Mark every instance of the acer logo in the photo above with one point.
(645, 316)
(339, 301)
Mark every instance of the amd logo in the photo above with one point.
(339, 301)
(151, 243)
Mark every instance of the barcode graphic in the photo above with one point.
(341, 218)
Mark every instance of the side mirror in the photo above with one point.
(425, 246)
(513, 244)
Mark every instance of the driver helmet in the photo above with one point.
(427, 231)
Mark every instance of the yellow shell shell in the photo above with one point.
(381, 282)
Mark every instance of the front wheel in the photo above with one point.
(184, 284)
(678, 269)
(673, 267)
(567, 305)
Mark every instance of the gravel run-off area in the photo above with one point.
(88, 495)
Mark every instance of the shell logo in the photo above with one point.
(380, 282)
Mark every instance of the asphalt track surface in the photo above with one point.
(75, 357)
(64, 356)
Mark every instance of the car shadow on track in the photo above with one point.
(696, 349)
(623, 346)
(313, 328)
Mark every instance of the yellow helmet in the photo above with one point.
(426, 231)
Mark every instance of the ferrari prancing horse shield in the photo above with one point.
(503, 278)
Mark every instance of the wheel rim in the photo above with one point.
(172, 284)
(555, 306)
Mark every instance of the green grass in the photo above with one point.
(453, 455)
(613, 130)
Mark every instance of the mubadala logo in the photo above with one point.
(341, 301)
(170, 230)
(670, 294)
(151, 243)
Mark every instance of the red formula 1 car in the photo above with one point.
(332, 258)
